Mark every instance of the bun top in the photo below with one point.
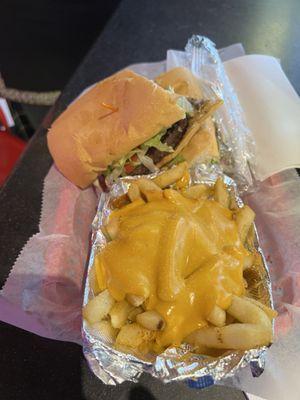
(182, 81)
(115, 116)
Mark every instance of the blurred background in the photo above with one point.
(41, 44)
(43, 41)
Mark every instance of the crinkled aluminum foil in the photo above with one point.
(236, 144)
(175, 364)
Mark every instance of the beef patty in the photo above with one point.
(172, 138)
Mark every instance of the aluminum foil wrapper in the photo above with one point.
(175, 364)
(236, 143)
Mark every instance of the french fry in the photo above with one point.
(177, 198)
(170, 280)
(268, 310)
(127, 209)
(235, 336)
(143, 219)
(184, 181)
(217, 316)
(104, 330)
(94, 282)
(255, 329)
(245, 311)
(105, 233)
(170, 176)
(120, 201)
(134, 336)
(244, 219)
(134, 300)
(134, 313)
(192, 340)
(112, 225)
(112, 228)
(196, 192)
(229, 319)
(221, 194)
(152, 195)
(100, 272)
(147, 185)
(149, 208)
(98, 307)
(248, 261)
(119, 313)
(134, 192)
(151, 320)
(250, 239)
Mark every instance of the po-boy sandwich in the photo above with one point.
(126, 124)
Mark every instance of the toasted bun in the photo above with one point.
(182, 81)
(203, 145)
(115, 116)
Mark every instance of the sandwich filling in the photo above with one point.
(143, 159)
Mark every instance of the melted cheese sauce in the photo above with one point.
(183, 255)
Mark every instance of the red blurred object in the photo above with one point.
(11, 147)
(3, 124)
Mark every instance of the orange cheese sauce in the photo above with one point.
(183, 181)
(184, 256)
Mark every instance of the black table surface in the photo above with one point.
(139, 31)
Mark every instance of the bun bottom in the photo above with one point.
(203, 146)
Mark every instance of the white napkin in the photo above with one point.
(272, 110)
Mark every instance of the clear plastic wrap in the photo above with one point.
(236, 144)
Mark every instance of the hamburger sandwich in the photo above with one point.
(126, 124)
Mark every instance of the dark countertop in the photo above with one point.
(33, 367)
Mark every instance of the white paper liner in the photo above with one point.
(46, 279)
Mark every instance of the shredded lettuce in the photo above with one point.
(214, 161)
(127, 158)
(108, 171)
(170, 89)
(185, 104)
(156, 142)
(148, 162)
(116, 169)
